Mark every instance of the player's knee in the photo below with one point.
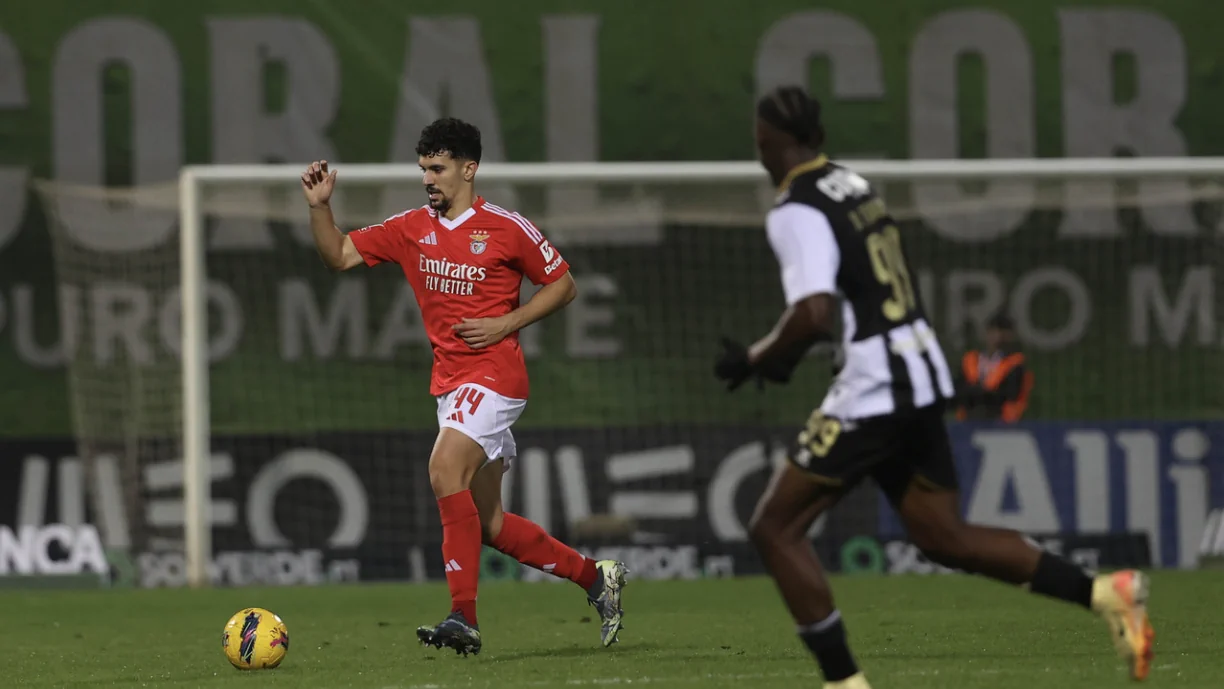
(454, 463)
(448, 477)
(945, 543)
(444, 482)
(765, 529)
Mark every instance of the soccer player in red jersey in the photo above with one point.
(465, 259)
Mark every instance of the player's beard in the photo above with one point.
(441, 204)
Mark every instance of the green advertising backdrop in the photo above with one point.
(1120, 307)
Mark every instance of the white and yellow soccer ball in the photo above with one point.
(255, 639)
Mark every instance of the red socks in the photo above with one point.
(521, 539)
(461, 551)
(531, 545)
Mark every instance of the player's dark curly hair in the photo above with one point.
(450, 135)
(791, 110)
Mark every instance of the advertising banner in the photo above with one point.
(358, 506)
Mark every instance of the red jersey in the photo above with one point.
(469, 267)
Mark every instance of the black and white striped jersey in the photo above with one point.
(832, 234)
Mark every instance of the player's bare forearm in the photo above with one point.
(551, 298)
(329, 240)
(801, 326)
(334, 246)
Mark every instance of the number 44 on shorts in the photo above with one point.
(465, 395)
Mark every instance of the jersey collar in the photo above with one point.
(462, 217)
(817, 162)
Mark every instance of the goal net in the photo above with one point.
(319, 423)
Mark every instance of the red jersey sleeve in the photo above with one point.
(381, 243)
(537, 257)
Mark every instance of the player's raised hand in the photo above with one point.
(479, 333)
(318, 184)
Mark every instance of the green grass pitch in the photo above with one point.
(908, 632)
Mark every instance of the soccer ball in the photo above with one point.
(255, 639)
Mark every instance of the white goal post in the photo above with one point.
(194, 181)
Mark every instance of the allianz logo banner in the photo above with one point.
(1164, 479)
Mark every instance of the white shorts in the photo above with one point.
(484, 416)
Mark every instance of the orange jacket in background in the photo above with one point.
(1003, 394)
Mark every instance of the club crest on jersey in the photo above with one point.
(479, 242)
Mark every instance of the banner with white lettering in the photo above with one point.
(345, 506)
(1156, 479)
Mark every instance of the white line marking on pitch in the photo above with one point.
(611, 681)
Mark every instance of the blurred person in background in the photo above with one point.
(994, 383)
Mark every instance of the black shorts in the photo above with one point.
(893, 450)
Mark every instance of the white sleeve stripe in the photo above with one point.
(531, 226)
(397, 215)
(517, 219)
(530, 231)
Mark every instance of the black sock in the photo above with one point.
(1058, 578)
(827, 641)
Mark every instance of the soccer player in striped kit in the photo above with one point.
(840, 251)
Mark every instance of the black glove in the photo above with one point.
(780, 369)
(732, 365)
